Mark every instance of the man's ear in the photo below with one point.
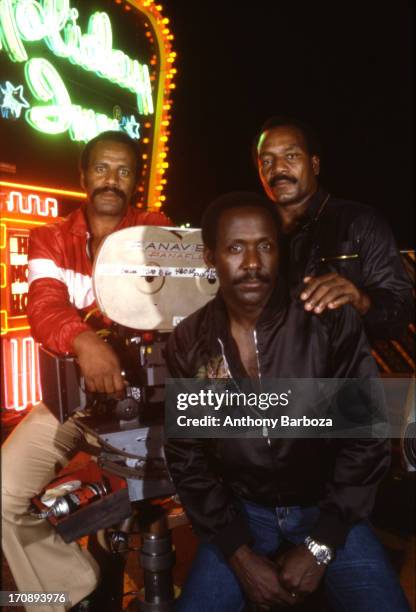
(82, 180)
(209, 257)
(316, 165)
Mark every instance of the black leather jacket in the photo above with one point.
(353, 240)
(212, 475)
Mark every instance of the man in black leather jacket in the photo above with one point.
(245, 496)
(342, 251)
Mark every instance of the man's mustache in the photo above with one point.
(118, 192)
(282, 177)
(252, 275)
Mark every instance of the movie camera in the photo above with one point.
(145, 279)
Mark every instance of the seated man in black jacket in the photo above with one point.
(342, 251)
(246, 496)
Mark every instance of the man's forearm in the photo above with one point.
(99, 364)
(390, 313)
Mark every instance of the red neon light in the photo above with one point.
(3, 275)
(40, 189)
(3, 234)
(32, 204)
(21, 372)
(27, 222)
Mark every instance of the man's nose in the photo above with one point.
(111, 177)
(280, 165)
(252, 259)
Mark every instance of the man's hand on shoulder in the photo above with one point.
(299, 573)
(332, 291)
(99, 364)
(259, 578)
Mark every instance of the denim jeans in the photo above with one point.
(359, 579)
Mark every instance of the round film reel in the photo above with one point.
(149, 277)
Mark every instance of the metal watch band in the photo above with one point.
(322, 553)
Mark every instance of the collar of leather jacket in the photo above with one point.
(315, 208)
(272, 317)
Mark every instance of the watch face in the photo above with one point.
(322, 553)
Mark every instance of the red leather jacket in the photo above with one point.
(60, 283)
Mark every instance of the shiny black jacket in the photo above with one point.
(352, 239)
(212, 475)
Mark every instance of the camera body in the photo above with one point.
(132, 426)
(141, 355)
(145, 278)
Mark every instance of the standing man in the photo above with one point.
(246, 496)
(60, 309)
(339, 252)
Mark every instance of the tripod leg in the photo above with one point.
(109, 592)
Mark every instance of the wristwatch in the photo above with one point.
(322, 553)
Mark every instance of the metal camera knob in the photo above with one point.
(127, 409)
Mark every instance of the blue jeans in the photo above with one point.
(360, 579)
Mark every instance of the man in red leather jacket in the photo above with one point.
(61, 257)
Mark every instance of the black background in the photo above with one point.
(345, 67)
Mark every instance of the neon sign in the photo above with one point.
(55, 23)
(21, 372)
(70, 72)
(22, 208)
(32, 204)
(13, 100)
(60, 115)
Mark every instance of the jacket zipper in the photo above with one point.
(265, 430)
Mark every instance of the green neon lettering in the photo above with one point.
(85, 123)
(119, 68)
(60, 115)
(32, 20)
(57, 14)
(9, 35)
(100, 37)
(147, 90)
(46, 85)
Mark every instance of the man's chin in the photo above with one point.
(283, 197)
(254, 297)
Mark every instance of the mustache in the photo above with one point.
(282, 177)
(253, 275)
(118, 192)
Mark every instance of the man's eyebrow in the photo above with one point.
(288, 147)
(268, 237)
(292, 147)
(242, 239)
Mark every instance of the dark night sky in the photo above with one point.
(345, 67)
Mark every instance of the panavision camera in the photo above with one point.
(145, 279)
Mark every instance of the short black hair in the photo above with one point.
(312, 141)
(235, 199)
(115, 136)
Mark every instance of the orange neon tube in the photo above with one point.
(64, 192)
